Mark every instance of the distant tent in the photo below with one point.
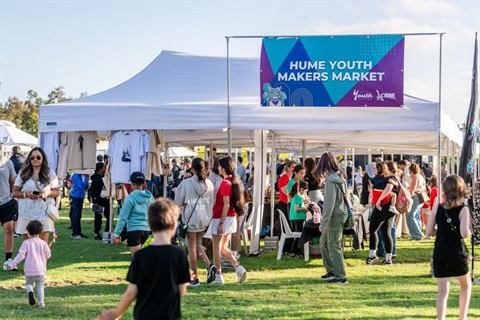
(10, 135)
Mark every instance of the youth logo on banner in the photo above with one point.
(329, 71)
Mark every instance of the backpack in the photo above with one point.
(404, 200)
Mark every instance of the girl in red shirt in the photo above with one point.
(432, 185)
(228, 201)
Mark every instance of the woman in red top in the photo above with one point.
(432, 185)
(228, 201)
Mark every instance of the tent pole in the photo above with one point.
(273, 178)
(304, 150)
(165, 177)
(439, 141)
(229, 129)
(353, 166)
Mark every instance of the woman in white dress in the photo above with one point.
(36, 186)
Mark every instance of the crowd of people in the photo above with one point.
(211, 202)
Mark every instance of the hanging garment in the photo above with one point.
(155, 148)
(125, 150)
(50, 143)
(82, 150)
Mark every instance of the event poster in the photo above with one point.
(332, 71)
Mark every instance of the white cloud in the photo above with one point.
(429, 7)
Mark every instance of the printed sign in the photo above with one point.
(332, 71)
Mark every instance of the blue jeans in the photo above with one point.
(77, 207)
(381, 241)
(414, 223)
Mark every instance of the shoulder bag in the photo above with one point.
(51, 210)
(182, 227)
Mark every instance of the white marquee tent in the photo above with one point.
(186, 96)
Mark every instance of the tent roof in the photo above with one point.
(186, 95)
(11, 135)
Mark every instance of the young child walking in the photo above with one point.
(450, 255)
(298, 212)
(36, 252)
(134, 214)
(159, 273)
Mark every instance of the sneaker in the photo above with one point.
(218, 279)
(98, 237)
(212, 271)
(41, 304)
(385, 262)
(328, 276)
(195, 283)
(6, 264)
(16, 235)
(293, 255)
(372, 260)
(241, 274)
(31, 298)
(392, 209)
(79, 236)
(339, 281)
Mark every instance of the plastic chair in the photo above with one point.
(286, 233)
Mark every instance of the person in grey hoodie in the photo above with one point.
(195, 196)
(334, 217)
(134, 214)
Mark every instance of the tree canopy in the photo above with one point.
(24, 114)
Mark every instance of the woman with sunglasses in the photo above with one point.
(35, 187)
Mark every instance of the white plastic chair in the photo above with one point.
(286, 233)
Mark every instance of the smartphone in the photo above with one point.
(36, 193)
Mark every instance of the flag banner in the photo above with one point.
(467, 161)
(332, 71)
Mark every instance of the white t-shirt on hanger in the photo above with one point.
(126, 150)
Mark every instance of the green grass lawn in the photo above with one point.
(86, 276)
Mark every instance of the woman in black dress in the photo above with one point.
(450, 256)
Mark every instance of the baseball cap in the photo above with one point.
(137, 177)
(187, 160)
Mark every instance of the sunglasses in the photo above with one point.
(35, 157)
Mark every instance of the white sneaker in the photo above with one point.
(41, 304)
(241, 274)
(392, 209)
(218, 279)
(7, 263)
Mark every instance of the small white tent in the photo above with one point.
(10, 135)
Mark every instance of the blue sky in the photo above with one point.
(91, 46)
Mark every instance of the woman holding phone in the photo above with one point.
(35, 187)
